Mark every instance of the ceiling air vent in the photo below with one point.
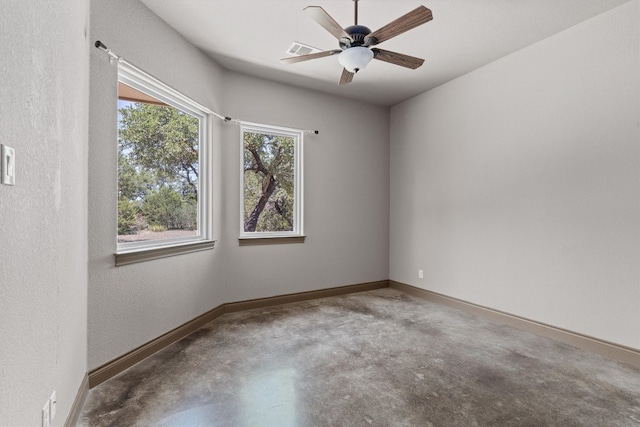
(299, 49)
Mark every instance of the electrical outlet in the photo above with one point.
(7, 165)
(46, 420)
(420, 274)
(52, 406)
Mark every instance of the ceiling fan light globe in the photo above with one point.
(355, 58)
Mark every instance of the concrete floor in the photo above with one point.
(379, 358)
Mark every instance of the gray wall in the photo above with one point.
(346, 191)
(516, 185)
(346, 185)
(131, 305)
(43, 218)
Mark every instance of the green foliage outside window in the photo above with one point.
(268, 182)
(127, 212)
(157, 168)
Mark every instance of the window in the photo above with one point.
(271, 202)
(163, 168)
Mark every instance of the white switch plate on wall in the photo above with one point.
(52, 406)
(46, 420)
(7, 165)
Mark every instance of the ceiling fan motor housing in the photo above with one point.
(357, 33)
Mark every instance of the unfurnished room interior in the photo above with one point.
(322, 213)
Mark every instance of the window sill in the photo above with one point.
(255, 241)
(156, 253)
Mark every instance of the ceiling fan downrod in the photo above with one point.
(355, 14)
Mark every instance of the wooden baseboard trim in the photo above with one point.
(304, 296)
(78, 403)
(605, 348)
(127, 360)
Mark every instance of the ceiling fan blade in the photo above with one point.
(319, 15)
(397, 58)
(346, 77)
(416, 17)
(301, 58)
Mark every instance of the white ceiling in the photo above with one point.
(250, 36)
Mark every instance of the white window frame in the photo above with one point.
(149, 85)
(298, 202)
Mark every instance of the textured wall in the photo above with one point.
(131, 305)
(43, 220)
(346, 184)
(516, 185)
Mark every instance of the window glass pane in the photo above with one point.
(158, 168)
(269, 182)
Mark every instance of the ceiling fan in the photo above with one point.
(356, 41)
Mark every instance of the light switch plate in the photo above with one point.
(53, 402)
(7, 165)
(46, 420)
